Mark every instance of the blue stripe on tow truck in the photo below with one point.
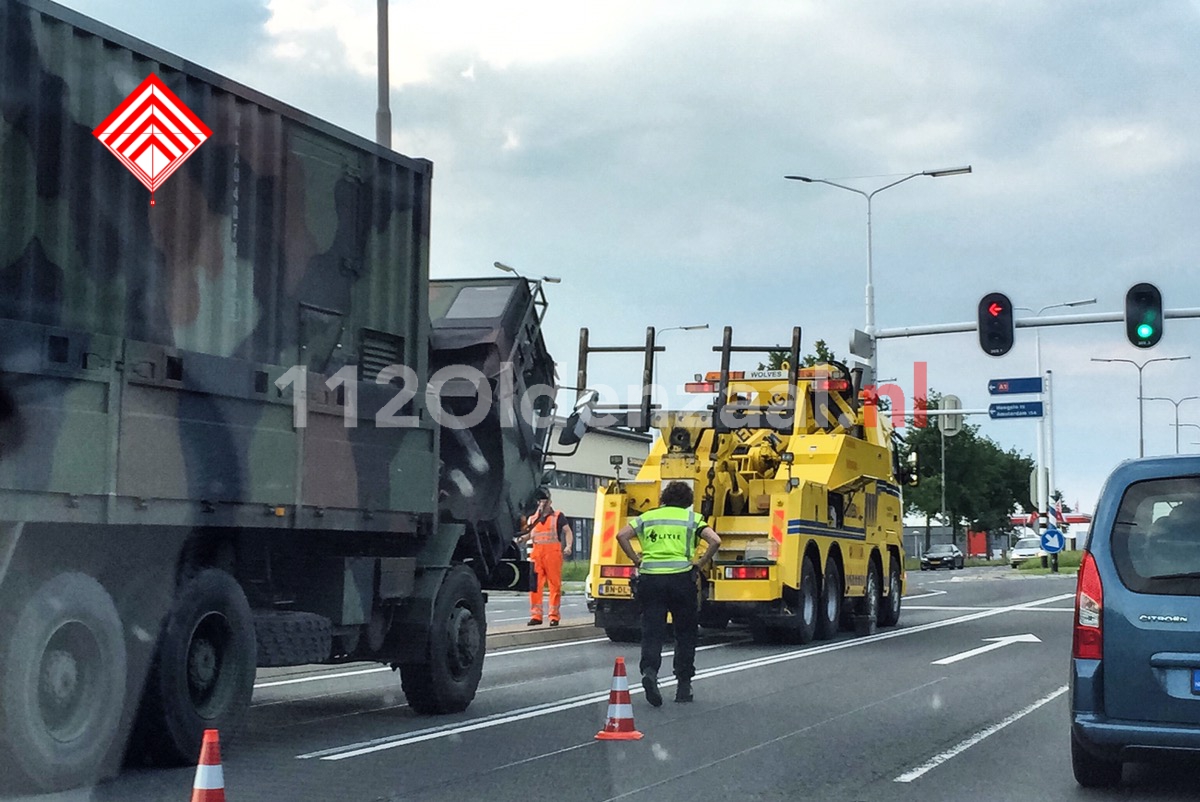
(801, 526)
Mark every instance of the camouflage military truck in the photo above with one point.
(240, 427)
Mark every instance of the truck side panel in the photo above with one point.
(142, 344)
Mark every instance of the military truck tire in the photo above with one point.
(829, 610)
(623, 634)
(288, 638)
(446, 681)
(203, 671)
(62, 691)
(889, 611)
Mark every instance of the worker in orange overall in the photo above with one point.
(552, 540)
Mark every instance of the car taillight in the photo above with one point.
(1088, 642)
(747, 572)
(617, 571)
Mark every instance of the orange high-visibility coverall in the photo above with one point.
(547, 558)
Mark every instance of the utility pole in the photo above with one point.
(383, 117)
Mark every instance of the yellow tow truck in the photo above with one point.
(797, 472)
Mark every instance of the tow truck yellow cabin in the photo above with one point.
(800, 477)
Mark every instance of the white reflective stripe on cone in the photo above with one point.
(620, 712)
(620, 683)
(209, 778)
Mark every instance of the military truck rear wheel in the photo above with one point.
(889, 612)
(63, 685)
(446, 681)
(203, 672)
(829, 613)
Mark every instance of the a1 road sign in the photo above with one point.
(1028, 384)
(1015, 409)
(1052, 540)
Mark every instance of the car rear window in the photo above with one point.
(1156, 538)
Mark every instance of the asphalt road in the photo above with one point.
(900, 715)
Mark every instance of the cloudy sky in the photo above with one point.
(637, 150)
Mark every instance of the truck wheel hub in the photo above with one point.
(464, 640)
(63, 680)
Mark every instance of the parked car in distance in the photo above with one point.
(1135, 652)
(1027, 548)
(943, 554)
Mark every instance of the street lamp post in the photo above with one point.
(660, 332)
(1140, 368)
(1176, 403)
(515, 272)
(870, 289)
(1045, 424)
(1178, 426)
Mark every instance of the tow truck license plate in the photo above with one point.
(615, 590)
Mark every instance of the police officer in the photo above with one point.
(667, 582)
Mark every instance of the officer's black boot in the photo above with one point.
(650, 686)
(683, 691)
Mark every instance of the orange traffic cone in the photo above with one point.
(619, 726)
(209, 785)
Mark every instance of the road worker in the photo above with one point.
(668, 582)
(552, 540)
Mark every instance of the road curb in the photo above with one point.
(544, 634)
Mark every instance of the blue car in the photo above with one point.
(1135, 654)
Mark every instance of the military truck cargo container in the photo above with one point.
(182, 494)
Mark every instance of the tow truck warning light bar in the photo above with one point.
(823, 381)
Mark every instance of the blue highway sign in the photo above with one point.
(1015, 409)
(1029, 384)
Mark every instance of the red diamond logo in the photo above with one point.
(152, 132)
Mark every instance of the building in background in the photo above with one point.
(578, 477)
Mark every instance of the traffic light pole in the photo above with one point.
(1025, 323)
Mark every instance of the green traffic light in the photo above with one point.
(1145, 331)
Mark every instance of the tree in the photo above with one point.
(822, 354)
(984, 483)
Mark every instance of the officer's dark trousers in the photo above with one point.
(676, 594)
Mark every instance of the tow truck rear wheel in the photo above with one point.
(623, 634)
(889, 612)
(804, 628)
(829, 611)
(869, 605)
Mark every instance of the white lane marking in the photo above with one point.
(968, 608)
(777, 739)
(939, 759)
(995, 643)
(548, 708)
(377, 669)
(926, 595)
(548, 754)
(319, 677)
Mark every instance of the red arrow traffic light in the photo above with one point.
(995, 324)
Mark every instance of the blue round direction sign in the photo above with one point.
(1052, 540)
